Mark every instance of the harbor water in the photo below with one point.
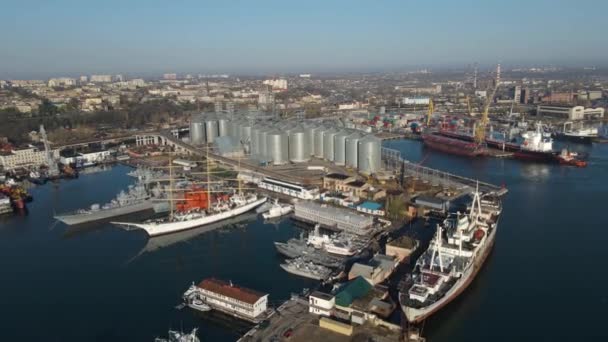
(545, 279)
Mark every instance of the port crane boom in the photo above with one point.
(480, 129)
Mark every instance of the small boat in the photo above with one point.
(570, 158)
(193, 300)
(277, 210)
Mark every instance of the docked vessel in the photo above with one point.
(237, 204)
(295, 248)
(582, 135)
(454, 257)
(136, 199)
(304, 268)
(537, 146)
(452, 145)
(339, 244)
(178, 336)
(277, 210)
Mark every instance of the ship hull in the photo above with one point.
(580, 139)
(452, 146)
(171, 227)
(74, 219)
(417, 315)
(546, 157)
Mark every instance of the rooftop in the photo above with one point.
(356, 184)
(230, 290)
(371, 205)
(338, 176)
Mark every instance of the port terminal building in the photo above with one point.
(332, 217)
(232, 299)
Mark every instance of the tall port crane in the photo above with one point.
(430, 113)
(482, 124)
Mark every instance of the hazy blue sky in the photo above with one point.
(128, 36)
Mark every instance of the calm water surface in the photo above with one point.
(545, 280)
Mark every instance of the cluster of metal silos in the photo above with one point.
(281, 143)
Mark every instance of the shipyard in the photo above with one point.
(277, 172)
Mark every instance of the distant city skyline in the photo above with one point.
(46, 39)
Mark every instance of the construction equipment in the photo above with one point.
(430, 113)
(480, 128)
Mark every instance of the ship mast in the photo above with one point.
(208, 181)
(170, 186)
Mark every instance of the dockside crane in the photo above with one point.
(482, 124)
(430, 113)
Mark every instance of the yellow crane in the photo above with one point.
(469, 106)
(480, 128)
(430, 113)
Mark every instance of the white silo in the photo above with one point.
(369, 154)
(299, 146)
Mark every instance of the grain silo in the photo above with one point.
(211, 128)
(263, 143)
(245, 132)
(318, 142)
(310, 132)
(328, 144)
(222, 126)
(255, 139)
(277, 144)
(197, 130)
(340, 147)
(351, 149)
(299, 146)
(369, 154)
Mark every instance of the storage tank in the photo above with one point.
(211, 128)
(318, 144)
(299, 146)
(369, 154)
(245, 132)
(222, 126)
(340, 147)
(310, 132)
(197, 130)
(255, 140)
(277, 143)
(263, 144)
(352, 146)
(328, 144)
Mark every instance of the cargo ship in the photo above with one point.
(461, 147)
(455, 255)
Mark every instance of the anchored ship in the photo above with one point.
(454, 257)
(339, 244)
(179, 336)
(137, 198)
(295, 248)
(455, 146)
(277, 210)
(304, 268)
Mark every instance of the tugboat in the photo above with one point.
(570, 158)
(277, 210)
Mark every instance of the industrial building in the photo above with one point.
(289, 189)
(569, 112)
(341, 219)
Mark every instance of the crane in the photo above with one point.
(469, 105)
(480, 128)
(430, 113)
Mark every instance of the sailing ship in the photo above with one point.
(198, 209)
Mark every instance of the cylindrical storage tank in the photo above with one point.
(210, 129)
(310, 132)
(340, 147)
(277, 143)
(352, 147)
(222, 126)
(197, 131)
(299, 146)
(369, 154)
(255, 140)
(328, 144)
(245, 132)
(263, 143)
(319, 132)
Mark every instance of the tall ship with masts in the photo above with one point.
(455, 255)
(200, 207)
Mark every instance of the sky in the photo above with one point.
(62, 37)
